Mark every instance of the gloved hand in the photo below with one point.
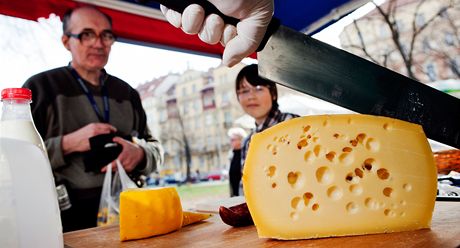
(239, 41)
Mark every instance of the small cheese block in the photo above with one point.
(336, 175)
(148, 212)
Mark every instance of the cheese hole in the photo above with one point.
(346, 158)
(347, 149)
(302, 143)
(308, 156)
(403, 203)
(330, 156)
(269, 147)
(360, 138)
(402, 214)
(275, 138)
(273, 185)
(371, 203)
(335, 193)
(352, 208)
(356, 189)
(294, 179)
(350, 121)
(351, 178)
(359, 173)
(387, 191)
(295, 203)
(389, 213)
(315, 207)
(306, 198)
(354, 142)
(324, 175)
(336, 135)
(372, 145)
(325, 123)
(387, 126)
(306, 128)
(407, 187)
(294, 216)
(271, 171)
(274, 150)
(319, 151)
(383, 173)
(368, 164)
(315, 139)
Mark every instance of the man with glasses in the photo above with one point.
(89, 118)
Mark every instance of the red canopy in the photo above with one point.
(130, 27)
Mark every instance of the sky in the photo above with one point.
(29, 47)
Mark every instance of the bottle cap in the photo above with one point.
(17, 93)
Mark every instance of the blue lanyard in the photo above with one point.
(89, 95)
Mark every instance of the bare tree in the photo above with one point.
(407, 43)
(176, 133)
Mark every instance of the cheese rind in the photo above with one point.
(336, 175)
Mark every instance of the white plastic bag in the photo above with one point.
(110, 196)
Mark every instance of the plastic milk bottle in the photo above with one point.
(29, 212)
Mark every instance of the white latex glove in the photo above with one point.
(239, 41)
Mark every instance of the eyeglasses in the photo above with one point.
(89, 37)
(245, 92)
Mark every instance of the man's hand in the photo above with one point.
(239, 41)
(78, 141)
(131, 155)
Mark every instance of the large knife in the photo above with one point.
(302, 63)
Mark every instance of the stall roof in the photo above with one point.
(145, 25)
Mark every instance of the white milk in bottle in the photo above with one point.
(29, 212)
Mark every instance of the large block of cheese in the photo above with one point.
(149, 212)
(336, 175)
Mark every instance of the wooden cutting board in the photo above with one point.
(445, 233)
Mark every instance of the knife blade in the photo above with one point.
(310, 66)
(305, 64)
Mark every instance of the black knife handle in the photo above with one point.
(209, 8)
(180, 5)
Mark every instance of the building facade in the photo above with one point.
(191, 114)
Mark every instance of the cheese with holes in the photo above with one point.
(336, 175)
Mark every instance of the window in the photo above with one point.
(209, 119)
(426, 45)
(454, 66)
(419, 20)
(384, 32)
(196, 105)
(184, 91)
(225, 98)
(163, 115)
(207, 96)
(228, 119)
(193, 88)
(430, 70)
(185, 108)
(399, 25)
(449, 39)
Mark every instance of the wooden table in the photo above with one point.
(445, 232)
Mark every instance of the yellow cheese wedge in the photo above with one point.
(321, 176)
(148, 212)
(193, 217)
